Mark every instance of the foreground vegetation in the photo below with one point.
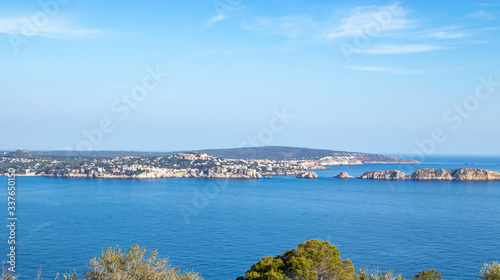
(311, 260)
(117, 264)
(319, 260)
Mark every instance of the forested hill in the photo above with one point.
(103, 153)
(288, 153)
(267, 152)
(271, 152)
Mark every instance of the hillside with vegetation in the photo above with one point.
(264, 152)
(290, 153)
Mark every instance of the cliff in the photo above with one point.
(462, 174)
(384, 175)
(153, 173)
(431, 174)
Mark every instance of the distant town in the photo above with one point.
(180, 165)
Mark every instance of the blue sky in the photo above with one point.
(369, 76)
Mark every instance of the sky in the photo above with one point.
(390, 77)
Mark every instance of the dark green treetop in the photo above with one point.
(311, 260)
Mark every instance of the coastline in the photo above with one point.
(426, 174)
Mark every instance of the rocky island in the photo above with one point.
(308, 175)
(343, 175)
(428, 174)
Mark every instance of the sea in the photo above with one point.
(220, 228)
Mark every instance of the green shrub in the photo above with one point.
(430, 274)
(115, 263)
(490, 271)
(311, 260)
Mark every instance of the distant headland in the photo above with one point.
(430, 174)
(237, 163)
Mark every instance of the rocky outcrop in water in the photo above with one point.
(462, 174)
(474, 174)
(343, 175)
(384, 175)
(308, 175)
(431, 174)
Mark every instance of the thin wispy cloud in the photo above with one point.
(374, 69)
(224, 11)
(217, 18)
(360, 20)
(388, 70)
(449, 32)
(397, 71)
(375, 30)
(482, 14)
(52, 28)
(290, 26)
(490, 4)
(446, 35)
(399, 49)
(372, 19)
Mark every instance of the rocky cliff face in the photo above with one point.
(462, 174)
(308, 175)
(218, 172)
(209, 173)
(476, 174)
(384, 175)
(343, 175)
(431, 174)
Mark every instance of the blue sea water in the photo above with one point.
(221, 227)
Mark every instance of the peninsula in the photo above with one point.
(239, 163)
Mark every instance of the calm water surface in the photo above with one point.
(220, 228)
